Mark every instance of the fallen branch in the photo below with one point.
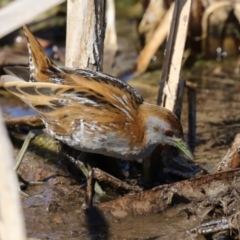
(160, 198)
(33, 121)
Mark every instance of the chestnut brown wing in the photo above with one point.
(63, 106)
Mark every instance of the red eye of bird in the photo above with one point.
(168, 133)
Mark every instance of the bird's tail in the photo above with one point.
(39, 63)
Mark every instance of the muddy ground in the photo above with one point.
(54, 209)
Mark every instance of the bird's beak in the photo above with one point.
(182, 146)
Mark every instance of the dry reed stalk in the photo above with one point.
(170, 79)
(85, 34)
(110, 41)
(20, 12)
(12, 224)
(154, 43)
(205, 19)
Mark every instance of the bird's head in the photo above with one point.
(163, 127)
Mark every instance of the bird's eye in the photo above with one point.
(168, 133)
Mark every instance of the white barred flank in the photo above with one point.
(82, 130)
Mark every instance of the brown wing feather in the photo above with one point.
(62, 106)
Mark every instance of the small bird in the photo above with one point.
(91, 111)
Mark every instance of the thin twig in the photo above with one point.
(116, 183)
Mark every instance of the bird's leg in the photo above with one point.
(80, 165)
(146, 171)
(90, 187)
